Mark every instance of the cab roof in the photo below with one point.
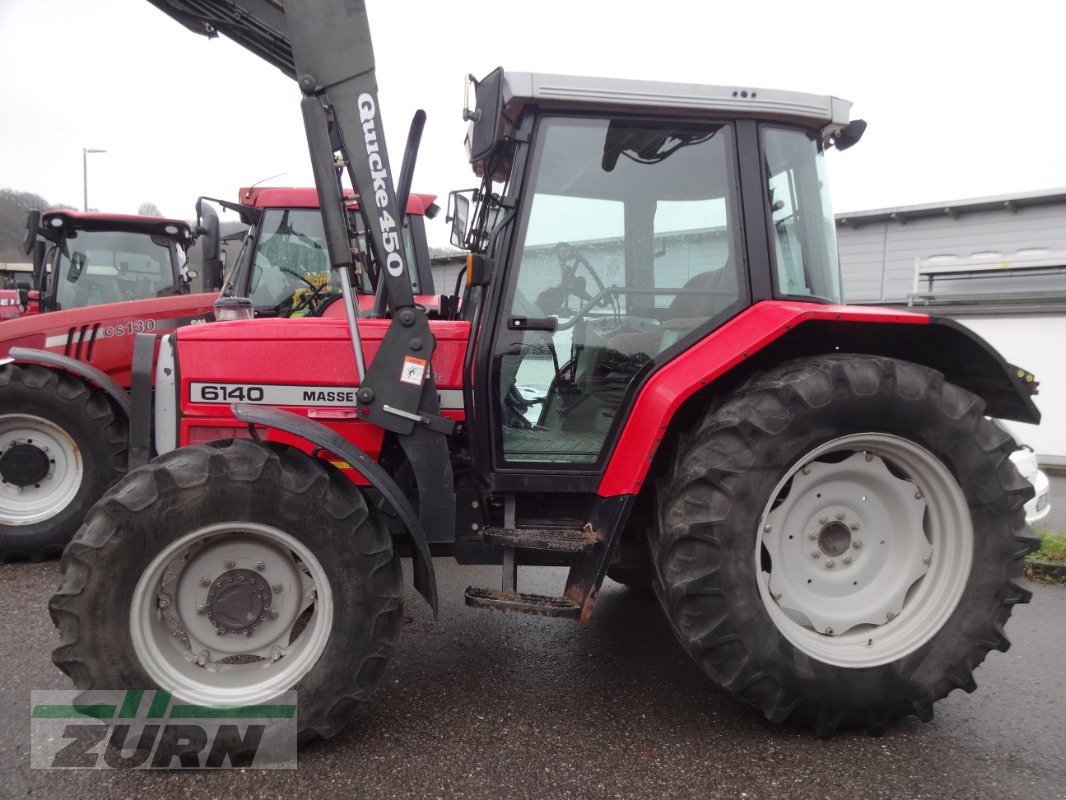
(307, 197)
(100, 221)
(825, 112)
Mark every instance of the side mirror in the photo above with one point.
(33, 222)
(77, 265)
(484, 119)
(458, 216)
(207, 227)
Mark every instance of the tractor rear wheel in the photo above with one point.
(62, 444)
(837, 541)
(228, 574)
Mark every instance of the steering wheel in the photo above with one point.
(554, 299)
(90, 288)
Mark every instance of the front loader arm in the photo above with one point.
(325, 46)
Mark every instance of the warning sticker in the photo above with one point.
(414, 370)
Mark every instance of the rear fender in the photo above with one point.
(318, 434)
(772, 332)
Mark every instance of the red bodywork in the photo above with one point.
(307, 197)
(317, 353)
(102, 336)
(300, 352)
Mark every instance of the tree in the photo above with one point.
(149, 210)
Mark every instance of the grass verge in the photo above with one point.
(1048, 564)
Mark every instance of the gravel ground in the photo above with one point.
(486, 705)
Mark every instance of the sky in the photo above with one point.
(962, 99)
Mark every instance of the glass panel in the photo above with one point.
(291, 270)
(804, 230)
(625, 251)
(112, 266)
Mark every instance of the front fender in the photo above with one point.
(93, 376)
(425, 580)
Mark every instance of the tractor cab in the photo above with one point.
(283, 265)
(87, 259)
(622, 234)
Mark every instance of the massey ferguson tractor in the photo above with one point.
(649, 374)
(67, 431)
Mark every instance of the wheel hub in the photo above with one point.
(834, 539)
(24, 464)
(238, 601)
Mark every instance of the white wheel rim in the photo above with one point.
(178, 645)
(26, 505)
(869, 542)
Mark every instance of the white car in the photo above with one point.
(1040, 506)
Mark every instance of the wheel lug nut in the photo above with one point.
(201, 610)
(163, 602)
(201, 659)
(829, 631)
(857, 544)
(918, 495)
(277, 588)
(767, 528)
(230, 563)
(846, 559)
(276, 654)
(274, 614)
(841, 515)
(830, 564)
(890, 616)
(815, 553)
(854, 526)
(812, 536)
(205, 582)
(806, 470)
(260, 566)
(869, 457)
(823, 519)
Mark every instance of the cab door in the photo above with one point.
(627, 248)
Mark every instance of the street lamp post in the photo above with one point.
(85, 175)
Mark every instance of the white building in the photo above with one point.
(996, 264)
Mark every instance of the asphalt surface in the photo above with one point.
(486, 705)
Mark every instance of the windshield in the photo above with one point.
(98, 267)
(804, 232)
(291, 273)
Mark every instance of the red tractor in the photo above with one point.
(89, 259)
(66, 377)
(648, 375)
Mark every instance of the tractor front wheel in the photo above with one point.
(837, 541)
(62, 444)
(228, 574)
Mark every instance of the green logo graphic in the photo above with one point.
(139, 729)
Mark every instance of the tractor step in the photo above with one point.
(503, 600)
(555, 540)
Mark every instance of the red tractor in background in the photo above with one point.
(83, 259)
(66, 377)
(649, 375)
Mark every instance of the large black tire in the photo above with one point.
(32, 398)
(713, 505)
(247, 483)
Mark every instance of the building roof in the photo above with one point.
(953, 208)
